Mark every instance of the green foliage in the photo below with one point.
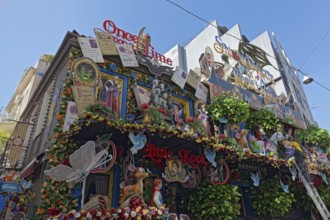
(314, 135)
(324, 192)
(290, 121)
(266, 118)
(4, 135)
(105, 110)
(269, 198)
(156, 116)
(216, 201)
(305, 202)
(302, 199)
(232, 108)
(198, 126)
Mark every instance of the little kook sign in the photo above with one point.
(156, 154)
(123, 37)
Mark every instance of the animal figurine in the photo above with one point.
(138, 141)
(133, 190)
(274, 139)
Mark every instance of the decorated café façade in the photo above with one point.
(134, 140)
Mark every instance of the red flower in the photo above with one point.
(53, 212)
(191, 119)
(162, 110)
(145, 106)
(222, 136)
(92, 212)
(66, 162)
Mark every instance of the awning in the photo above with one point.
(28, 169)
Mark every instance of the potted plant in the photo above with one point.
(145, 113)
(231, 108)
(264, 118)
(152, 114)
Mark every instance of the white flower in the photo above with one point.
(89, 215)
(133, 214)
(98, 214)
(160, 212)
(119, 211)
(77, 215)
(126, 215)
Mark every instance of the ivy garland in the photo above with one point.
(212, 201)
(270, 199)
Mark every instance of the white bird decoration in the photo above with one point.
(138, 141)
(324, 178)
(25, 184)
(210, 156)
(256, 178)
(284, 187)
(293, 171)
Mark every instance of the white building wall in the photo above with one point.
(178, 56)
(197, 46)
(294, 83)
(264, 42)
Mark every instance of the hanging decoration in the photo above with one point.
(138, 141)
(210, 156)
(105, 143)
(194, 177)
(83, 160)
(255, 178)
(217, 175)
(175, 171)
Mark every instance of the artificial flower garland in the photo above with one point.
(139, 213)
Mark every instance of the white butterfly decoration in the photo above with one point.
(83, 160)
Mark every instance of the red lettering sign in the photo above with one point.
(156, 154)
(123, 37)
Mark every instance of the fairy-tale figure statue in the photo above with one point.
(143, 42)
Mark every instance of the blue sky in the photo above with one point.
(32, 28)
